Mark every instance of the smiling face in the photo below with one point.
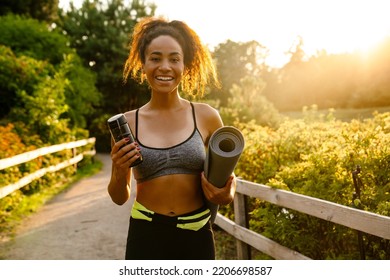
(164, 64)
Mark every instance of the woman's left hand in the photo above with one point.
(221, 196)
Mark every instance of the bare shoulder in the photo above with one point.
(207, 119)
(206, 112)
(130, 116)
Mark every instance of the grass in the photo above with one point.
(24, 205)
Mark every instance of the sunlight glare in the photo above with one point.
(335, 26)
(331, 25)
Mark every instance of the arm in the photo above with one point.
(122, 158)
(209, 121)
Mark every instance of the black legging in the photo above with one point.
(156, 241)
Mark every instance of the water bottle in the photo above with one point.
(120, 129)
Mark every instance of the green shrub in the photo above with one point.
(37, 61)
(29, 37)
(315, 156)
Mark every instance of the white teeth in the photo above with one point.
(164, 78)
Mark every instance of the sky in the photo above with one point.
(336, 26)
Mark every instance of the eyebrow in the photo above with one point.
(172, 53)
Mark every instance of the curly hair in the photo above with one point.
(199, 67)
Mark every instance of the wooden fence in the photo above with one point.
(360, 220)
(28, 156)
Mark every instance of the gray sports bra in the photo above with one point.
(185, 158)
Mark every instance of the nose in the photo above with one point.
(165, 66)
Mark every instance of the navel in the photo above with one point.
(171, 213)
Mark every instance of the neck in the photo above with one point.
(165, 101)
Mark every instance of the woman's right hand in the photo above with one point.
(124, 154)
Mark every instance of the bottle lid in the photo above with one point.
(117, 120)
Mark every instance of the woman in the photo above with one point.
(169, 219)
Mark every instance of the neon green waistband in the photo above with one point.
(141, 212)
(193, 221)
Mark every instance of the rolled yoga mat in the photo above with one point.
(223, 152)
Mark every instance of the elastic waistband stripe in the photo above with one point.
(141, 212)
(196, 216)
(192, 222)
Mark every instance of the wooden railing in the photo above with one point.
(360, 220)
(28, 156)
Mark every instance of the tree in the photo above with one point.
(236, 61)
(100, 34)
(41, 110)
(374, 89)
(293, 77)
(32, 38)
(247, 103)
(43, 10)
(346, 80)
(35, 53)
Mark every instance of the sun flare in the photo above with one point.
(335, 26)
(331, 25)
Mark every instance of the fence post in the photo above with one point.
(356, 195)
(240, 218)
(74, 153)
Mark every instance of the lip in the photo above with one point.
(161, 78)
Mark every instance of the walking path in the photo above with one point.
(81, 223)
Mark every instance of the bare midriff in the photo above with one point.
(171, 195)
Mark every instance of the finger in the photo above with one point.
(123, 147)
(125, 153)
(129, 157)
(229, 181)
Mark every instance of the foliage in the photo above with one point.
(45, 95)
(29, 37)
(100, 34)
(81, 95)
(39, 102)
(34, 54)
(10, 143)
(13, 75)
(42, 108)
(45, 10)
(315, 156)
(235, 61)
(247, 103)
(241, 67)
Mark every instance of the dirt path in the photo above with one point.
(81, 223)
